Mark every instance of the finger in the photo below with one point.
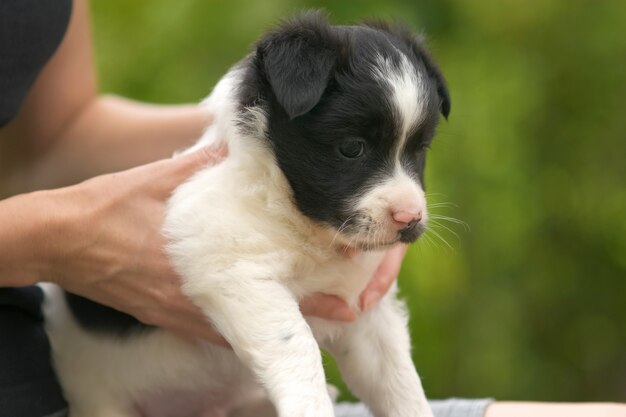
(383, 278)
(152, 300)
(170, 302)
(328, 307)
(190, 328)
(200, 329)
(192, 162)
(201, 333)
(169, 296)
(183, 306)
(185, 318)
(173, 172)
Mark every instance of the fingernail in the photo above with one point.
(343, 314)
(370, 298)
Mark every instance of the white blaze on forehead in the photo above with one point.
(408, 90)
(409, 100)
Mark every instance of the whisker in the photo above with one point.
(341, 228)
(427, 243)
(433, 244)
(428, 195)
(349, 245)
(451, 220)
(442, 204)
(434, 232)
(436, 223)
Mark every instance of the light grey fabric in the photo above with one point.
(453, 407)
(460, 407)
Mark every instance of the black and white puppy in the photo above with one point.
(327, 129)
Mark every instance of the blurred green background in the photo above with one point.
(530, 303)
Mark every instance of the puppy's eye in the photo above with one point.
(423, 147)
(352, 149)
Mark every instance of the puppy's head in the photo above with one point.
(350, 113)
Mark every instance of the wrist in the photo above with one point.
(64, 230)
(25, 224)
(38, 232)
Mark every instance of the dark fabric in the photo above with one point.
(30, 32)
(28, 387)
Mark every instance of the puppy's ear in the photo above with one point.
(298, 59)
(416, 44)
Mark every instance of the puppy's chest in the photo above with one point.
(249, 225)
(336, 275)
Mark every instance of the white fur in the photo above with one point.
(246, 256)
(408, 94)
(397, 191)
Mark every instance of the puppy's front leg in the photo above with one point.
(374, 357)
(261, 320)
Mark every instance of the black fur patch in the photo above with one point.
(347, 102)
(97, 317)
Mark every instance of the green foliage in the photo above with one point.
(530, 302)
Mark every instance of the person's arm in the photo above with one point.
(101, 239)
(72, 133)
(24, 231)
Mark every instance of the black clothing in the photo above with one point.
(30, 32)
(28, 386)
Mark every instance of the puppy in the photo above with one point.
(327, 129)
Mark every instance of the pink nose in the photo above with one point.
(405, 218)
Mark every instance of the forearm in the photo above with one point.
(112, 134)
(65, 132)
(29, 232)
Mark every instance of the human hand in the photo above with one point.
(109, 246)
(334, 308)
(111, 250)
